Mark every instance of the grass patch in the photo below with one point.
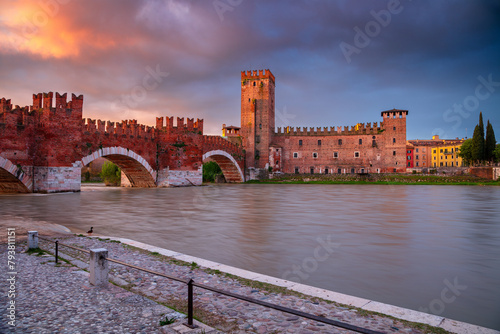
(36, 251)
(167, 321)
(381, 179)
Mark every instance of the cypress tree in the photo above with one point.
(481, 124)
(490, 143)
(477, 145)
(478, 141)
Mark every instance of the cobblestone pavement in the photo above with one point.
(59, 299)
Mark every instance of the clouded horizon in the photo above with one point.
(336, 63)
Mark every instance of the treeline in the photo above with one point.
(482, 148)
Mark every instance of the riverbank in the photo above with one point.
(59, 298)
(387, 179)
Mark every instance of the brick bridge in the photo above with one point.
(44, 146)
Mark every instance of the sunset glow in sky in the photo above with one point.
(336, 63)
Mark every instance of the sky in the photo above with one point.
(336, 63)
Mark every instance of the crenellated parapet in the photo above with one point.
(257, 75)
(128, 128)
(45, 102)
(358, 129)
(181, 127)
(15, 116)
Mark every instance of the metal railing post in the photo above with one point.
(57, 249)
(190, 323)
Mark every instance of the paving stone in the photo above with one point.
(59, 299)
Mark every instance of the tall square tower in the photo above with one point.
(257, 115)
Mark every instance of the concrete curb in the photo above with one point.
(365, 304)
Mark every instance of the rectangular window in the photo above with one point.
(408, 157)
(335, 154)
(416, 150)
(362, 170)
(339, 171)
(409, 164)
(393, 152)
(441, 151)
(352, 170)
(295, 154)
(393, 140)
(408, 151)
(319, 142)
(340, 141)
(361, 142)
(300, 142)
(296, 170)
(434, 151)
(312, 170)
(326, 170)
(315, 155)
(416, 157)
(417, 163)
(452, 164)
(356, 154)
(441, 164)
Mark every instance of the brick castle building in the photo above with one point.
(363, 148)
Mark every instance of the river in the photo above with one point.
(429, 248)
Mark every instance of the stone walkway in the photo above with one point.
(59, 299)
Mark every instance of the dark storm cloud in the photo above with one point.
(427, 58)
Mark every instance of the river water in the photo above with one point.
(429, 248)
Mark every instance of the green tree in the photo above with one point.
(111, 174)
(477, 145)
(496, 153)
(466, 152)
(478, 141)
(489, 144)
(210, 170)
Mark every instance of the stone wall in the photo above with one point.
(492, 173)
(57, 179)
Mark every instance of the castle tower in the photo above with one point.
(257, 115)
(394, 137)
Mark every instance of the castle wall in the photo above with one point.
(368, 148)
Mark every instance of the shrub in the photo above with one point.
(210, 170)
(111, 174)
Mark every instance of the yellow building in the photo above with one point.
(445, 154)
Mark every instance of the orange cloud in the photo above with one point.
(41, 28)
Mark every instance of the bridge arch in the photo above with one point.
(230, 167)
(13, 179)
(135, 167)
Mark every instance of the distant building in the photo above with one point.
(231, 133)
(409, 156)
(363, 148)
(435, 152)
